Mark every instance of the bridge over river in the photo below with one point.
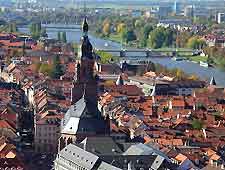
(60, 26)
(144, 52)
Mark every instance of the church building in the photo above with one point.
(83, 119)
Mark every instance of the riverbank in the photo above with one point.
(180, 51)
(73, 36)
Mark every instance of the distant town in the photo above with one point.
(103, 85)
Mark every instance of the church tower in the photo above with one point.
(83, 118)
(85, 76)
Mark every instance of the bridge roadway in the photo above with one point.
(77, 27)
(142, 50)
(145, 52)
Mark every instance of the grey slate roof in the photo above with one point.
(79, 156)
(101, 145)
(142, 149)
(78, 109)
(106, 166)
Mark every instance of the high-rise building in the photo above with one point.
(189, 11)
(221, 18)
(164, 11)
(175, 7)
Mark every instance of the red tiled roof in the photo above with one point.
(4, 124)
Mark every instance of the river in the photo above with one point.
(74, 35)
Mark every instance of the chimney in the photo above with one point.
(194, 94)
(178, 116)
(170, 104)
(99, 67)
(204, 132)
(71, 95)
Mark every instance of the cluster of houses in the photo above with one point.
(30, 102)
(154, 121)
(188, 128)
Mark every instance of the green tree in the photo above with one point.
(128, 35)
(182, 39)
(145, 34)
(35, 30)
(105, 57)
(120, 28)
(106, 29)
(157, 38)
(139, 23)
(169, 37)
(59, 36)
(46, 69)
(197, 124)
(64, 37)
(12, 27)
(196, 43)
(57, 69)
(38, 27)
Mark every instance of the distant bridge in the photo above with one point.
(143, 52)
(77, 27)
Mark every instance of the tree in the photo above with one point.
(201, 43)
(197, 124)
(128, 35)
(59, 36)
(57, 69)
(120, 28)
(139, 23)
(193, 77)
(169, 37)
(145, 34)
(182, 39)
(38, 27)
(12, 27)
(106, 29)
(192, 43)
(35, 30)
(46, 69)
(105, 57)
(64, 37)
(156, 38)
(179, 74)
(196, 43)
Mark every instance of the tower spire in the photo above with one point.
(85, 26)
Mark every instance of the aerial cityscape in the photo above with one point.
(112, 85)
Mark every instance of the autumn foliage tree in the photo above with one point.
(106, 27)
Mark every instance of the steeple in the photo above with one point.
(85, 26)
(86, 46)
